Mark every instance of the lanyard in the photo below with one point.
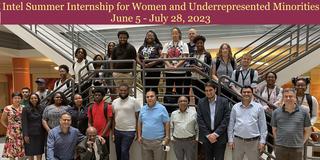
(269, 93)
(300, 103)
(244, 77)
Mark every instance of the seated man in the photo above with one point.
(91, 147)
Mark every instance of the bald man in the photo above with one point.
(91, 147)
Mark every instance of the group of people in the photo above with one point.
(214, 124)
(64, 130)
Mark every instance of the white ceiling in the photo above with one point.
(37, 60)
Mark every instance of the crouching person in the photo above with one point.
(91, 147)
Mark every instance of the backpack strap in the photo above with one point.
(277, 91)
(217, 63)
(105, 110)
(251, 75)
(233, 64)
(86, 62)
(263, 88)
(73, 67)
(91, 115)
(68, 84)
(56, 84)
(309, 100)
(237, 75)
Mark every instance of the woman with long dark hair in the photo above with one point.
(52, 113)
(33, 131)
(12, 119)
(79, 114)
(224, 64)
(151, 49)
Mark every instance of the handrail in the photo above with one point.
(286, 47)
(90, 75)
(183, 68)
(264, 35)
(97, 35)
(47, 43)
(79, 36)
(224, 77)
(66, 92)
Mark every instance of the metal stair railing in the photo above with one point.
(64, 39)
(69, 92)
(51, 41)
(163, 78)
(85, 36)
(90, 76)
(290, 44)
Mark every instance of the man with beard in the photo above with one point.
(125, 113)
(25, 94)
(123, 51)
(100, 117)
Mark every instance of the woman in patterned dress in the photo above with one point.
(11, 119)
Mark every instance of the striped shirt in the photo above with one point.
(290, 126)
(247, 122)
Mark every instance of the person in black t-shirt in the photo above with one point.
(151, 49)
(123, 51)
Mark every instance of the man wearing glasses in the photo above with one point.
(184, 130)
(213, 119)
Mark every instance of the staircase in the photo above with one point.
(291, 51)
(283, 49)
(59, 42)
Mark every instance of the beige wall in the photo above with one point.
(315, 84)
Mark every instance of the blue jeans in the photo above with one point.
(123, 141)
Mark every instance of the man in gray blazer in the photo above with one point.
(213, 118)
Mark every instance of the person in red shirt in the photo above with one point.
(100, 117)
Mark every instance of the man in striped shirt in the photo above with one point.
(291, 127)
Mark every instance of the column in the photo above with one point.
(20, 73)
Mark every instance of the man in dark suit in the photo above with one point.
(91, 147)
(213, 118)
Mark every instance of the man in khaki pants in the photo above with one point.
(123, 51)
(153, 128)
(247, 129)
